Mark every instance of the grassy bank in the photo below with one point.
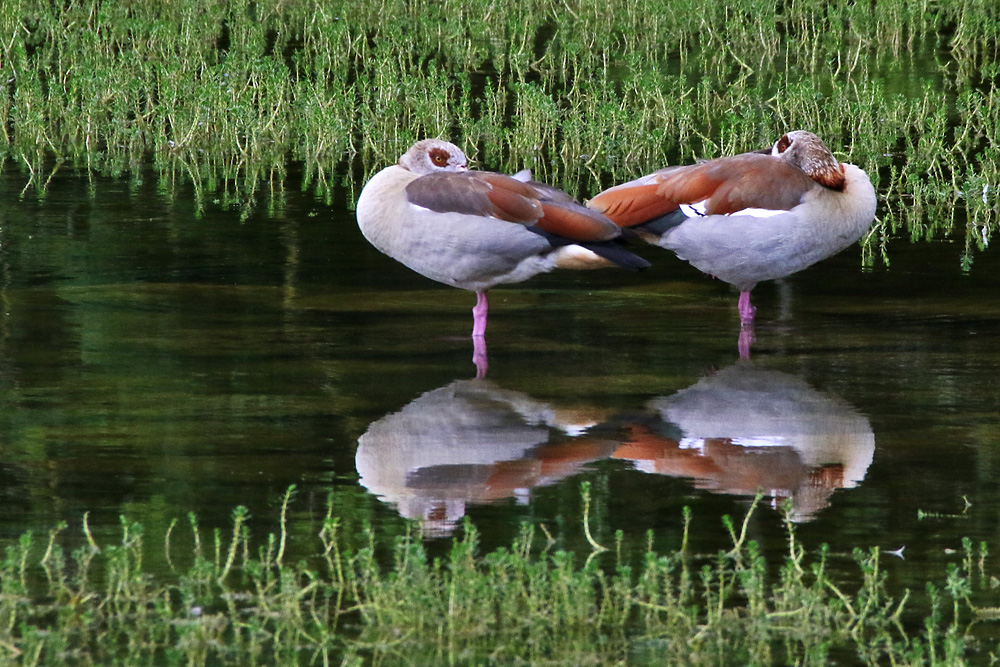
(235, 599)
(227, 92)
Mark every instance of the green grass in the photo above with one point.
(228, 92)
(236, 599)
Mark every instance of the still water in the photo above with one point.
(155, 362)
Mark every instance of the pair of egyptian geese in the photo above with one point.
(743, 219)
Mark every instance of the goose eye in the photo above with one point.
(439, 158)
(783, 144)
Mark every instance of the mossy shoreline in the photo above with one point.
(233, 599)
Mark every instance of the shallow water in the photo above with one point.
(155, 363)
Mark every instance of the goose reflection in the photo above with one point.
(472, 442)
(746, 428)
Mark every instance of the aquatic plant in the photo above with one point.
(229, 92)
(236, 599)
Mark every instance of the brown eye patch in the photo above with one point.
(439, 156)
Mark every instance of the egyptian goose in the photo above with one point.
(476, 229)
(749, 217)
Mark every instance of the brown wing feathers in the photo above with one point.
(753, 181)
(512, 200)
(503, 197)
(475, 193)
(726, 186)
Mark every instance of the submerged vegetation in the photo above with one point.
(228, 93)
(238, 600)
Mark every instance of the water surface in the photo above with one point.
(156, 362)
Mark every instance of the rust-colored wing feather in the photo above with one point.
(629, 205)
(573, 221)
(512, 200)
(726, 185)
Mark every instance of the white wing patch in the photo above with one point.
(748, 441)
(694, 210)
(759, 212)
(577, 257)
(644, 466)
(575, 430)
(699, 209)
(417, 208)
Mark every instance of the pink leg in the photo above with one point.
(479, 355)
(479, 315)
(747, 311)
(746, 339)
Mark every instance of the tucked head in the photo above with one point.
(431, 155)
(808, 152)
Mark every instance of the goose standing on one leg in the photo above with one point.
(749, 217)
(477, 229)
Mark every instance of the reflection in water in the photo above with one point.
(471, 442)
(745, 428)
(737, 431)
